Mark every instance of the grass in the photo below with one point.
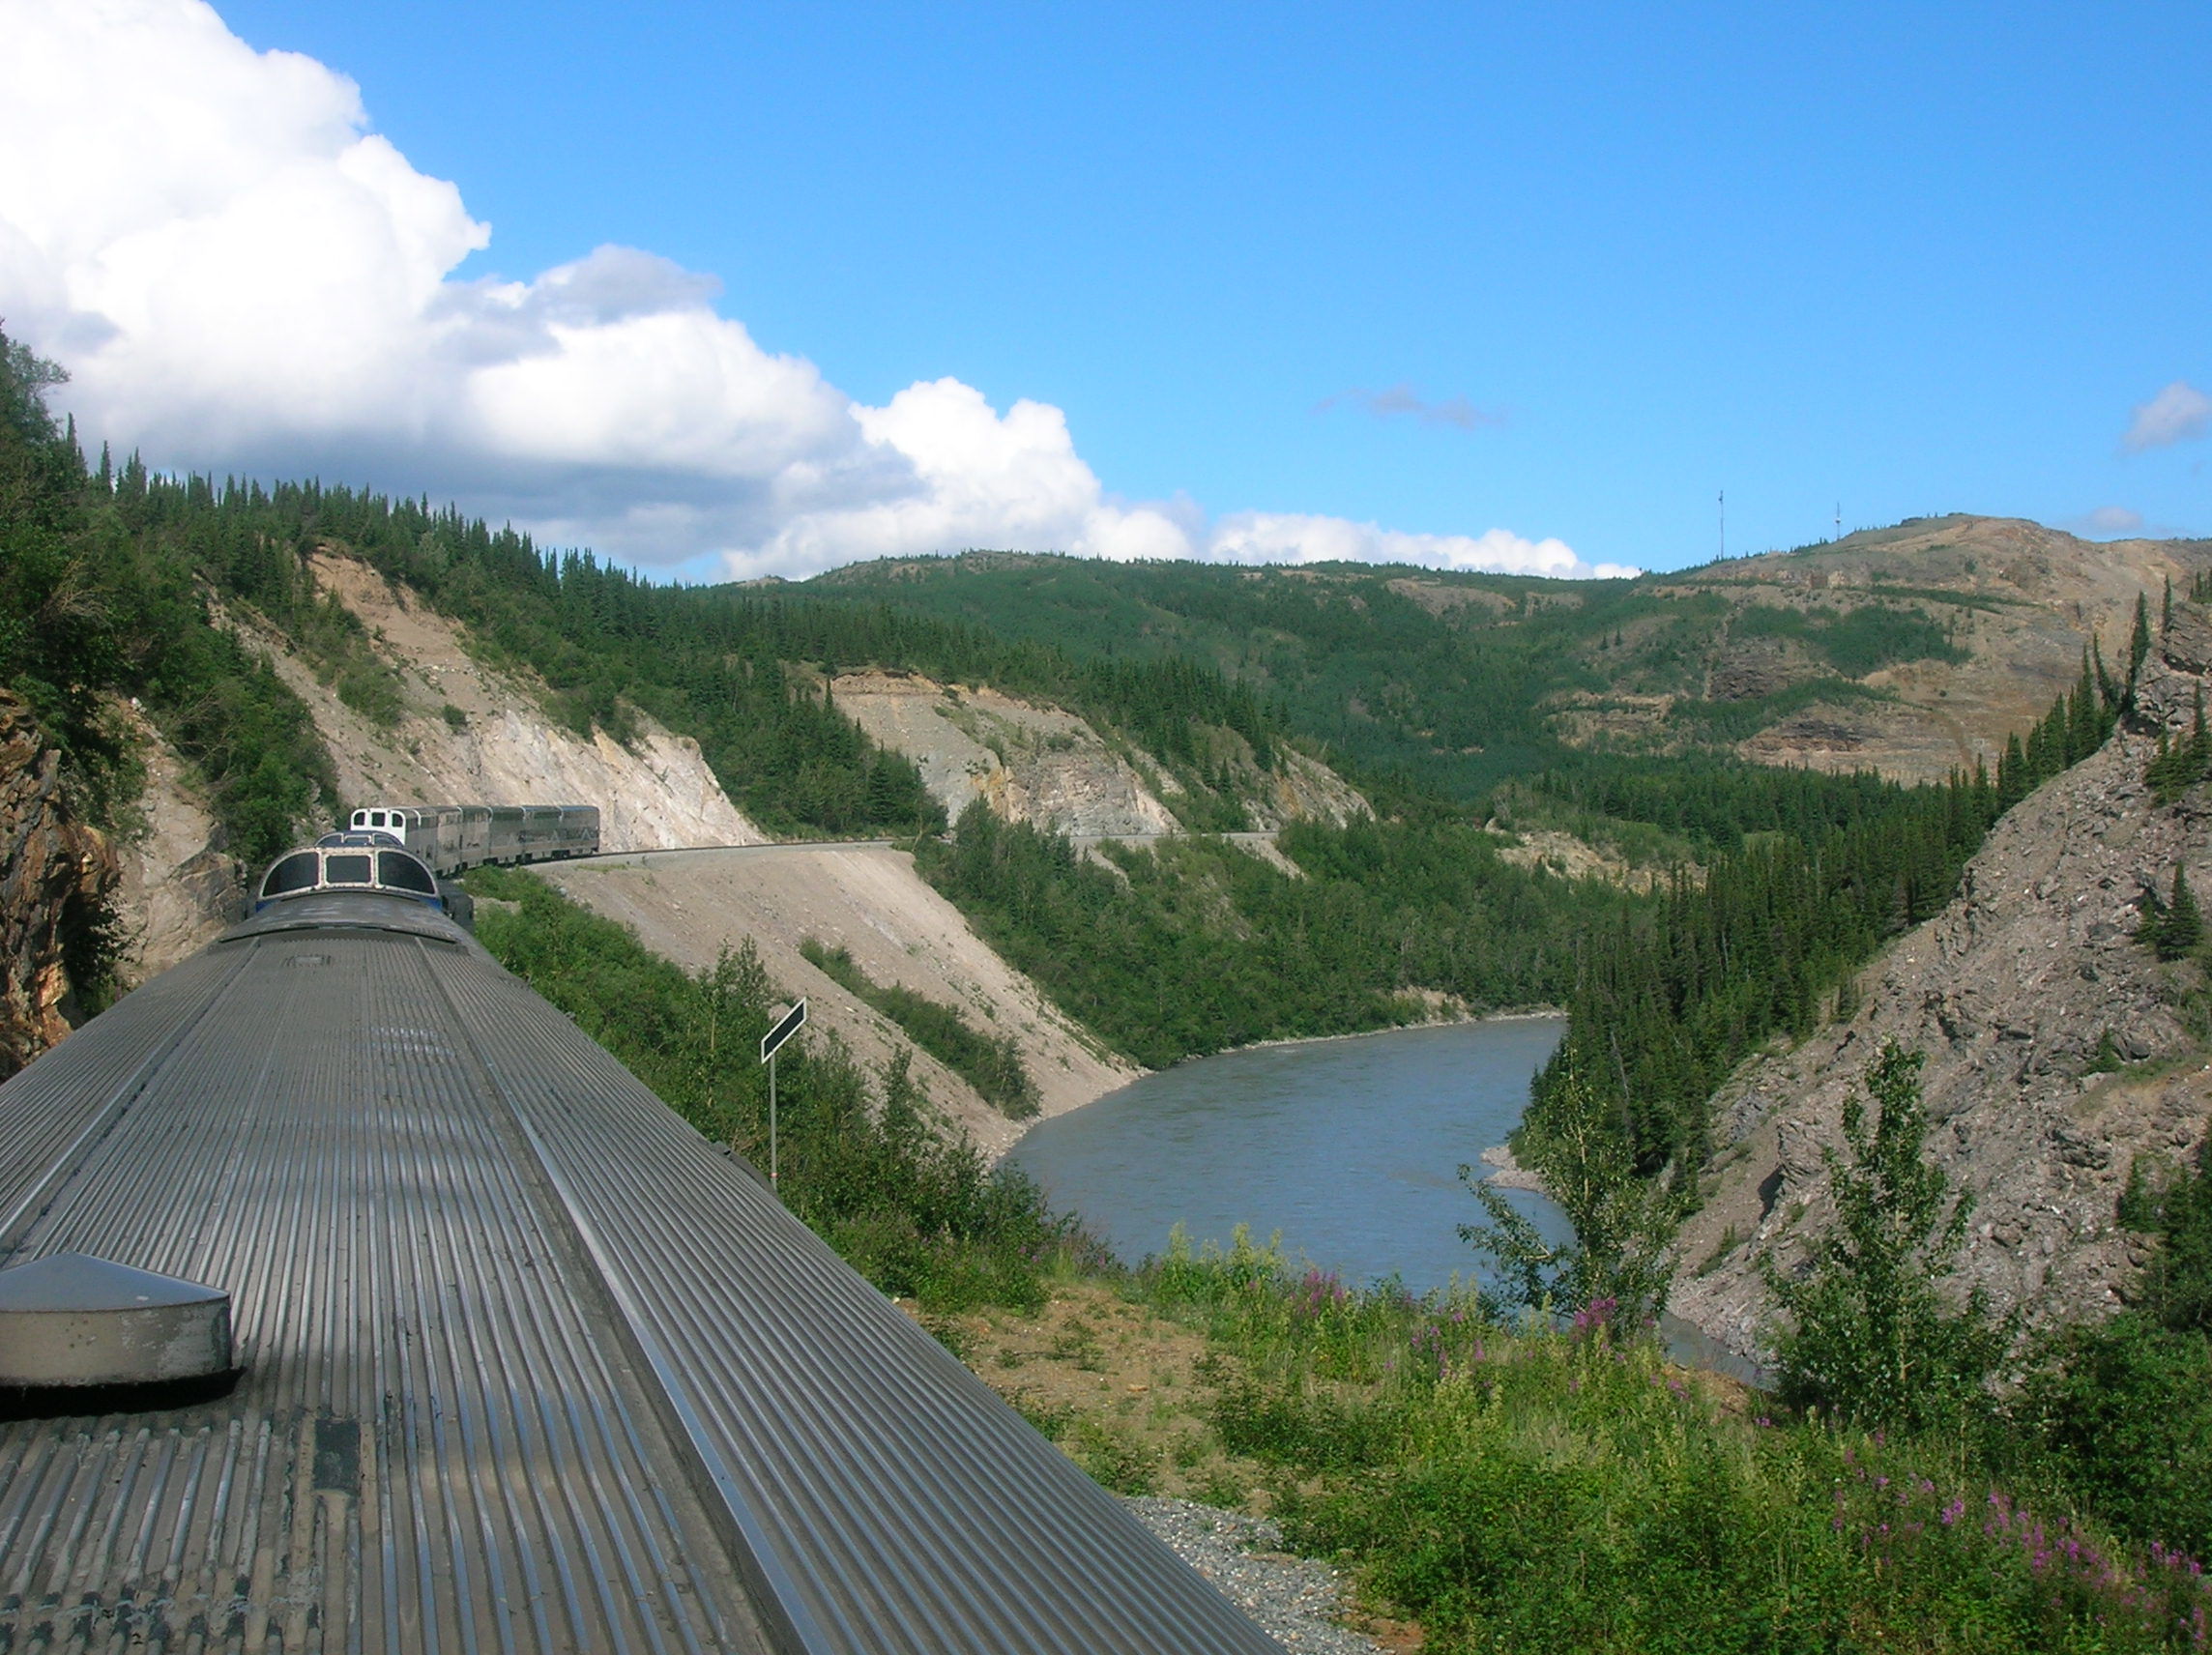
(1516, 1488)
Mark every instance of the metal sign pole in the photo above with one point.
(790, 1023)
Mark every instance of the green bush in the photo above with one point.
(2126, 1406)
(1866, 1336)
(1523, 1488)
(992, 1065)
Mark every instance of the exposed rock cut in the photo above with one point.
(180, 885)
(1028, 764)
(2021, 992)
(497, 746)
(1299, 788)
(1571, 856)
(55, 874)
(1050, 768)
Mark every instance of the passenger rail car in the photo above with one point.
(515, 1360)
(451, 837)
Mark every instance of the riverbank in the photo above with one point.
(1507, 1174)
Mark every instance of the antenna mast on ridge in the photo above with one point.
(1724, 525)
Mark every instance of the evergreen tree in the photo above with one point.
(2139, 641)
(2182, 928)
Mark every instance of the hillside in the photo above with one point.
(1907, 649)
(866, 900)
(1039, 764)
(449, 726)
(2062, 1054)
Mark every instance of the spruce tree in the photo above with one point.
(2183, 927)
(2139, 641)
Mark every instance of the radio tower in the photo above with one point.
(1839, 519)
(1724, 525)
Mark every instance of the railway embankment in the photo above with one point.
(868, 900)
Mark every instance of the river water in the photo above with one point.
(1350, 1148)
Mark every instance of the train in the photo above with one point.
(454, 837)
(352, 1298)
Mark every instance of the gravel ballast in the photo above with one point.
(1295, 1600)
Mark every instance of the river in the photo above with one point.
(1350, 1148)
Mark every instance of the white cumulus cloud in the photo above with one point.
(1281, 537)
(2175, 415)
(241, 276)
(2108, 521)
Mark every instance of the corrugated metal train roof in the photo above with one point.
(530, 1365)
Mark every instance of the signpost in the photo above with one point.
(790, 1023)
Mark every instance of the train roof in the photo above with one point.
(528, 1363)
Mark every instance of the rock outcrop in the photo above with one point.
(2060, 1051)
(496, 745)
(180, 885)
(1028, 763)
(55, 877)
(1050, 768)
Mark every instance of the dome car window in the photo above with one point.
(293, 872)
(346, 870)
(404, 873)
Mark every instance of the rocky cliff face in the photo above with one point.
(180, 885)
(1029, 763)
(55, 873)
(2060, 1051)
(496, 745)
(1048, 767)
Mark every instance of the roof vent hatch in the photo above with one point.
(72, 1325)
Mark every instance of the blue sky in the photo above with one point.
(1565, 273)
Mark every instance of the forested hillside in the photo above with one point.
(117, 578)
(1774, 885)
(1913, 651)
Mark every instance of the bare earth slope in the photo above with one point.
(180, 886)
(2009, 992)
(507, 752)
(868, 899)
